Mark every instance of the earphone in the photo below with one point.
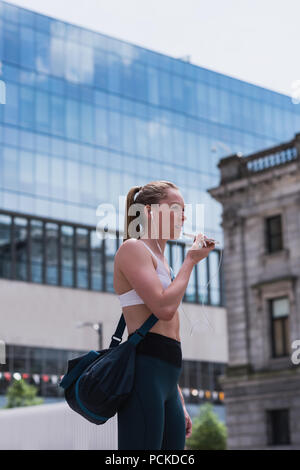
(200, 246)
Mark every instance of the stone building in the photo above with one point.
(260, 195)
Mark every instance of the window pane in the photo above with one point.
(11, 108)
(96, 255)
(87, 123)
(286, 327)
(42, 111)
(36, 251)
(278, 431)
(10, 168)
(42, 175)
(67, 256)
(11, 42)
(52, 253)
(280, 307)
(21, 241)
(275, 243)
(214, 276)
(5, 246)
(58, 115)
(278, 337)
(27, 104)
(202, 281)
(82, 242)
(26, 171)
(190, 293)
(110, 251)
(27, 49)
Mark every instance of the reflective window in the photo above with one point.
(67, 261)
(37, 251)
(153, 86)
(280, 326)
(114, 130)
(5, 246)
(101, 127)
(72, 119)
(26, 171)
(110, 251)
(128, 134)
(27, 106)
(87, 123)
(51, 253)
(82, 254)
(11, 42)
(114, 73)
(100, 69)
(214, 277)
(72, 181)
(42, 111)
(57, 175)
(11, 108)
(42, 175)
(43, 51)
(58, 115)
(86, 183)
(57, 58)
(10, 168)
(202, 281)
(21, 248)
(96, 262)
(27, 50)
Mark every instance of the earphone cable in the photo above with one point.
(202, 303)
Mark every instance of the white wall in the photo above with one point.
(46, 316)
(54, 427)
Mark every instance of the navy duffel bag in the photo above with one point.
(98, 383)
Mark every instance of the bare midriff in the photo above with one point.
(136, 315)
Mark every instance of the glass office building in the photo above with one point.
(87, 117)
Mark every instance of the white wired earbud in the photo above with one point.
(202, 304)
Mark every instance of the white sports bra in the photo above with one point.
(132, 298)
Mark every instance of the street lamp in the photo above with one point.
(214, 148)
(221, 144)
(96, 326)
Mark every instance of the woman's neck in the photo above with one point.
(156, 244)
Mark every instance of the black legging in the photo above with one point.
(152, 417)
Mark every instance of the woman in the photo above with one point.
(154, 416)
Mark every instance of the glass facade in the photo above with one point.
(88, 116)
(51, 251)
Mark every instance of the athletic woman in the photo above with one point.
(154, 416)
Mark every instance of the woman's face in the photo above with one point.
(168, 217)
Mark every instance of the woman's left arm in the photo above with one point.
(188, 421)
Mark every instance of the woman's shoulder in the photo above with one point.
(128, 247)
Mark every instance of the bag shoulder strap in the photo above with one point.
(139, 333)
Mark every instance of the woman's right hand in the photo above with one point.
(195, 253)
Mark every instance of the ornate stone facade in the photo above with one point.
(257, 381)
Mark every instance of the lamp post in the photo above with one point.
(214, 147)
(96, 327)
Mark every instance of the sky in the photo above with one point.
(253, 40)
